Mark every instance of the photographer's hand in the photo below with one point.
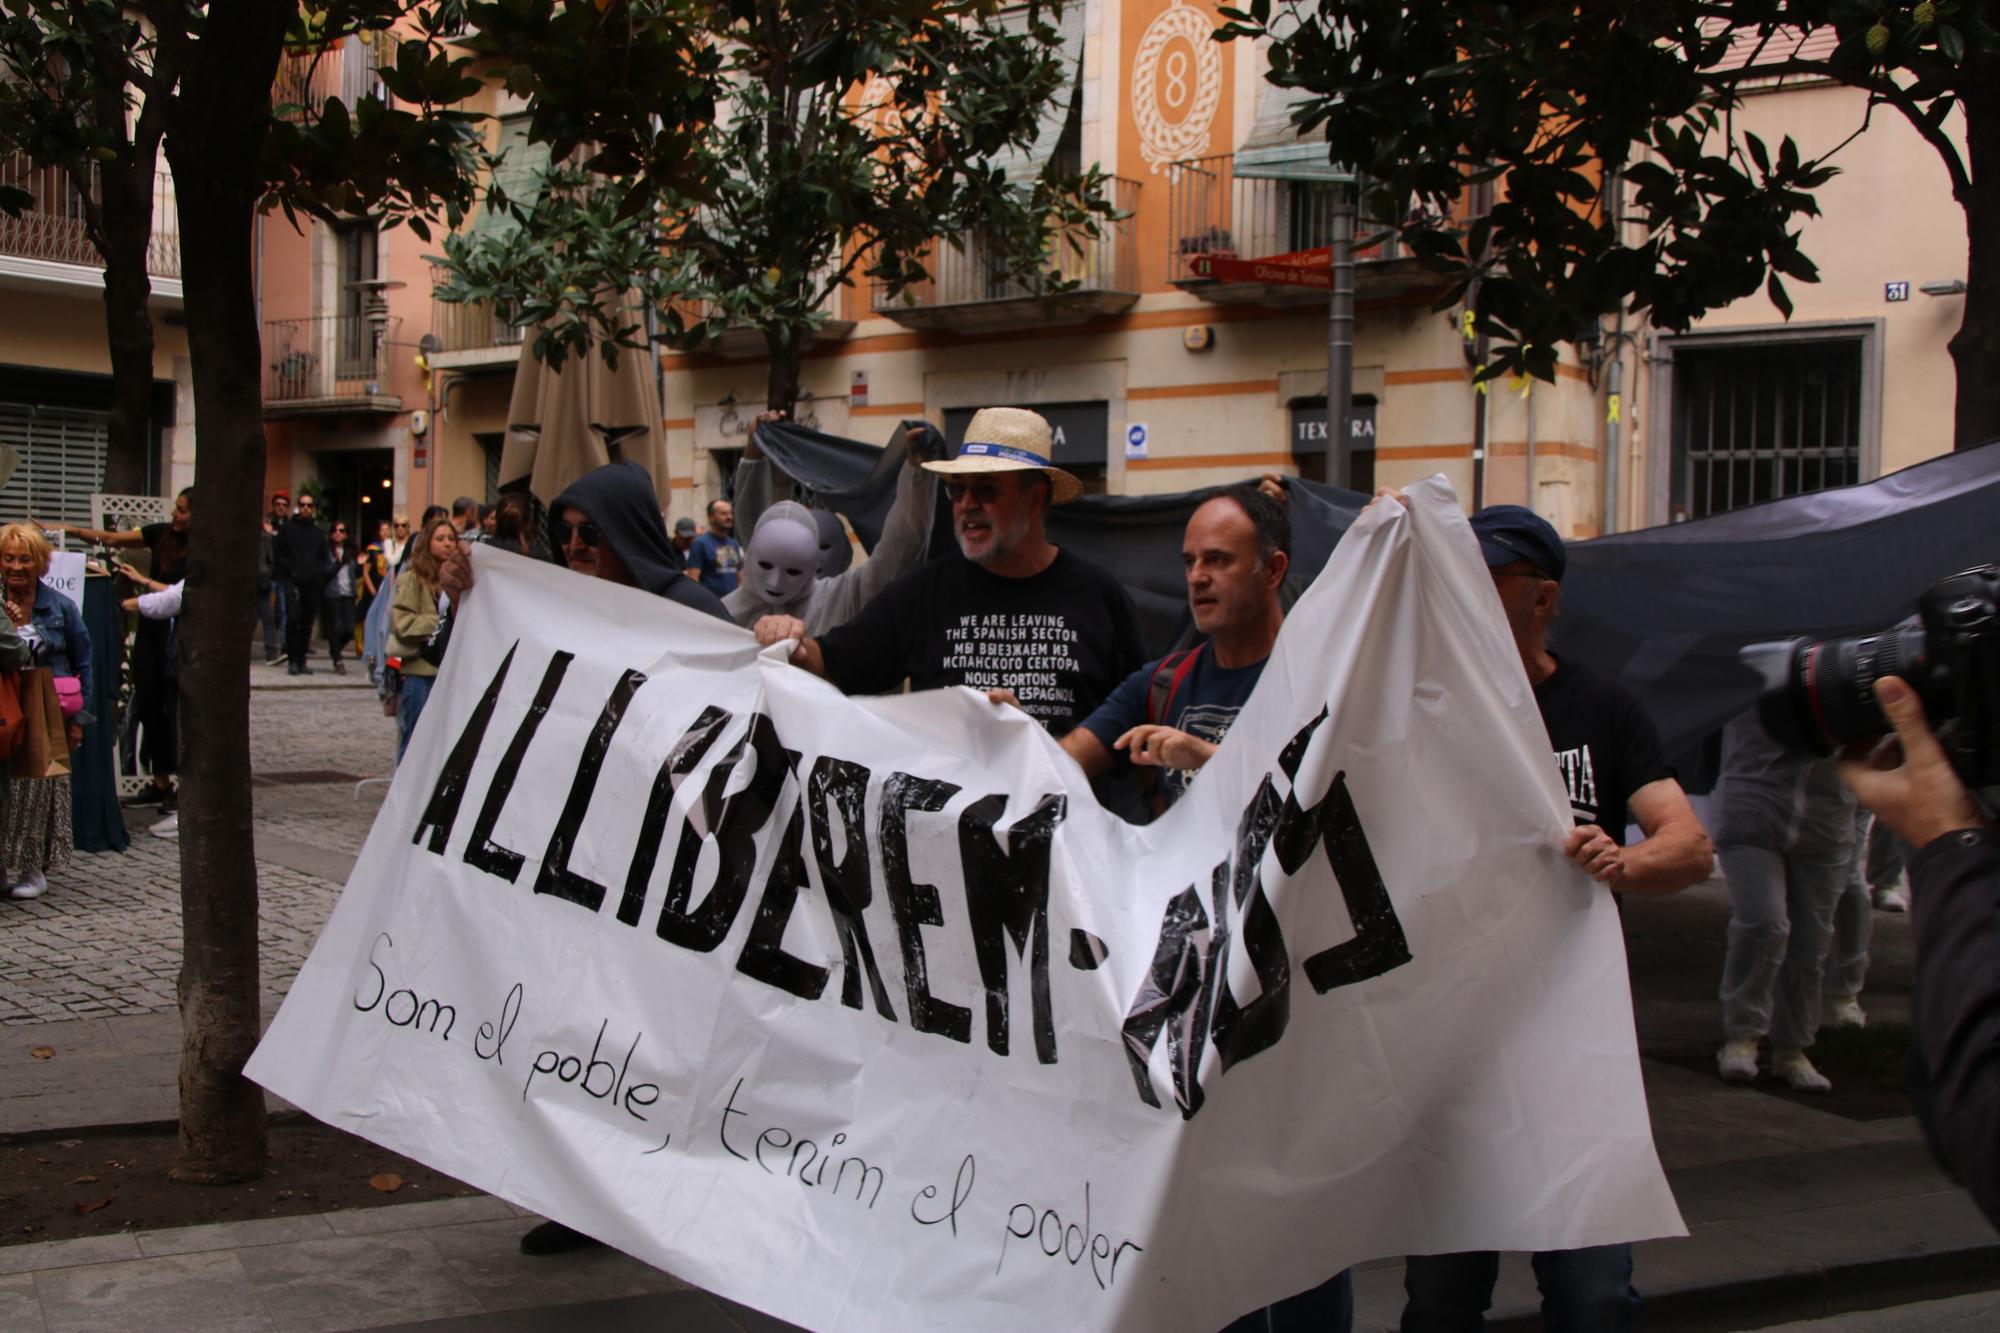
(1907, 779)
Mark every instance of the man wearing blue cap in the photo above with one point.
(1609, 756)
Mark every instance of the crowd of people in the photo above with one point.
(1804, 868)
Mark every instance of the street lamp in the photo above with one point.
(375, 309)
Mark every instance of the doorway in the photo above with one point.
(356, 486)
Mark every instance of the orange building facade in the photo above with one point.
(1157, 377)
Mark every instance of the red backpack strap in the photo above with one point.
(1166, 681)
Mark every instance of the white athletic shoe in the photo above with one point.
(1737, 1060)
(1798, 1072)
(1891, 899)
(1844, 1011)
(32, 885)
(170, 827)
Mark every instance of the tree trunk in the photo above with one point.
(1975, 348)
(781, 384)
(126, 194)
(213, 142)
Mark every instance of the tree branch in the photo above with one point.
(1880, 88)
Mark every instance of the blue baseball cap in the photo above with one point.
(1508, 533)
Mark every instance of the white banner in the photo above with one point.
(863, 1013)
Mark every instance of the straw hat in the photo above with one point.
(1011, 439)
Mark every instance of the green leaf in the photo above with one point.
(1758, 153)
(1780, 298)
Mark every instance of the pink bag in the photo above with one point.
(69, 694)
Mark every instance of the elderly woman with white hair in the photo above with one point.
(35, 835)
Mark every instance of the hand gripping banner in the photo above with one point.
(863, 1013)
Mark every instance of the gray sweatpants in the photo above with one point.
(1781, 917)
(1853, 919)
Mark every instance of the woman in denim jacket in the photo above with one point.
(35, 832)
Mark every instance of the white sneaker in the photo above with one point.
(1891, 900)
(1798, 1072)
(170, 827)
(1844, 1011)
(1737, 1060)
(32, 885)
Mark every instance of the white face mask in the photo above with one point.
(783, 560)
(836, 552)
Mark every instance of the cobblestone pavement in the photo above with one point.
(105, 939)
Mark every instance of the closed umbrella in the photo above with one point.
(564, 421)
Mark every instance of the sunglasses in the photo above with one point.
(588, 533)
(984, 492)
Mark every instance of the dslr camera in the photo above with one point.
(1822, 695)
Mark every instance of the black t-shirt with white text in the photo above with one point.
(1061, 640)
(1605, 746)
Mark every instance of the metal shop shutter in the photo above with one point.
(61, 451)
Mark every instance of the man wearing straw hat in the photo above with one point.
(1015, 613)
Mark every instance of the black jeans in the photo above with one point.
(339, 625)
(156, 697)
(301, 614)
(268, 620)
(1583, 1291)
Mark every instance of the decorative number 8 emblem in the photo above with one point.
(1186, 80)
(1176, 69)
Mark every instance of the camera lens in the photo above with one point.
(1827, 698)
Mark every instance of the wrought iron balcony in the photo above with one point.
(472, 335)
(345, 70)
(968, 292)
(1213, 212)
(52, 229)
(328, 364)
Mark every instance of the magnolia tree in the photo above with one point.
(1430, 98)
(100, 89)
(808, 148)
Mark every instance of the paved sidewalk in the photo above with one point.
(1781, 1237)
(449, 1260)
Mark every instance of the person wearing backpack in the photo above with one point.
(1171, 713)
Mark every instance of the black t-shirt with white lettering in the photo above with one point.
(1605, 746)
(1061, 640)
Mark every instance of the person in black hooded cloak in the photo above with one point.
(608, 525)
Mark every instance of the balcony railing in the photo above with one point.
(473, 327)
(52, 228)
(346, 70)
(1213, 211)
(330, 363)
(1102, 268)
(747, 340)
